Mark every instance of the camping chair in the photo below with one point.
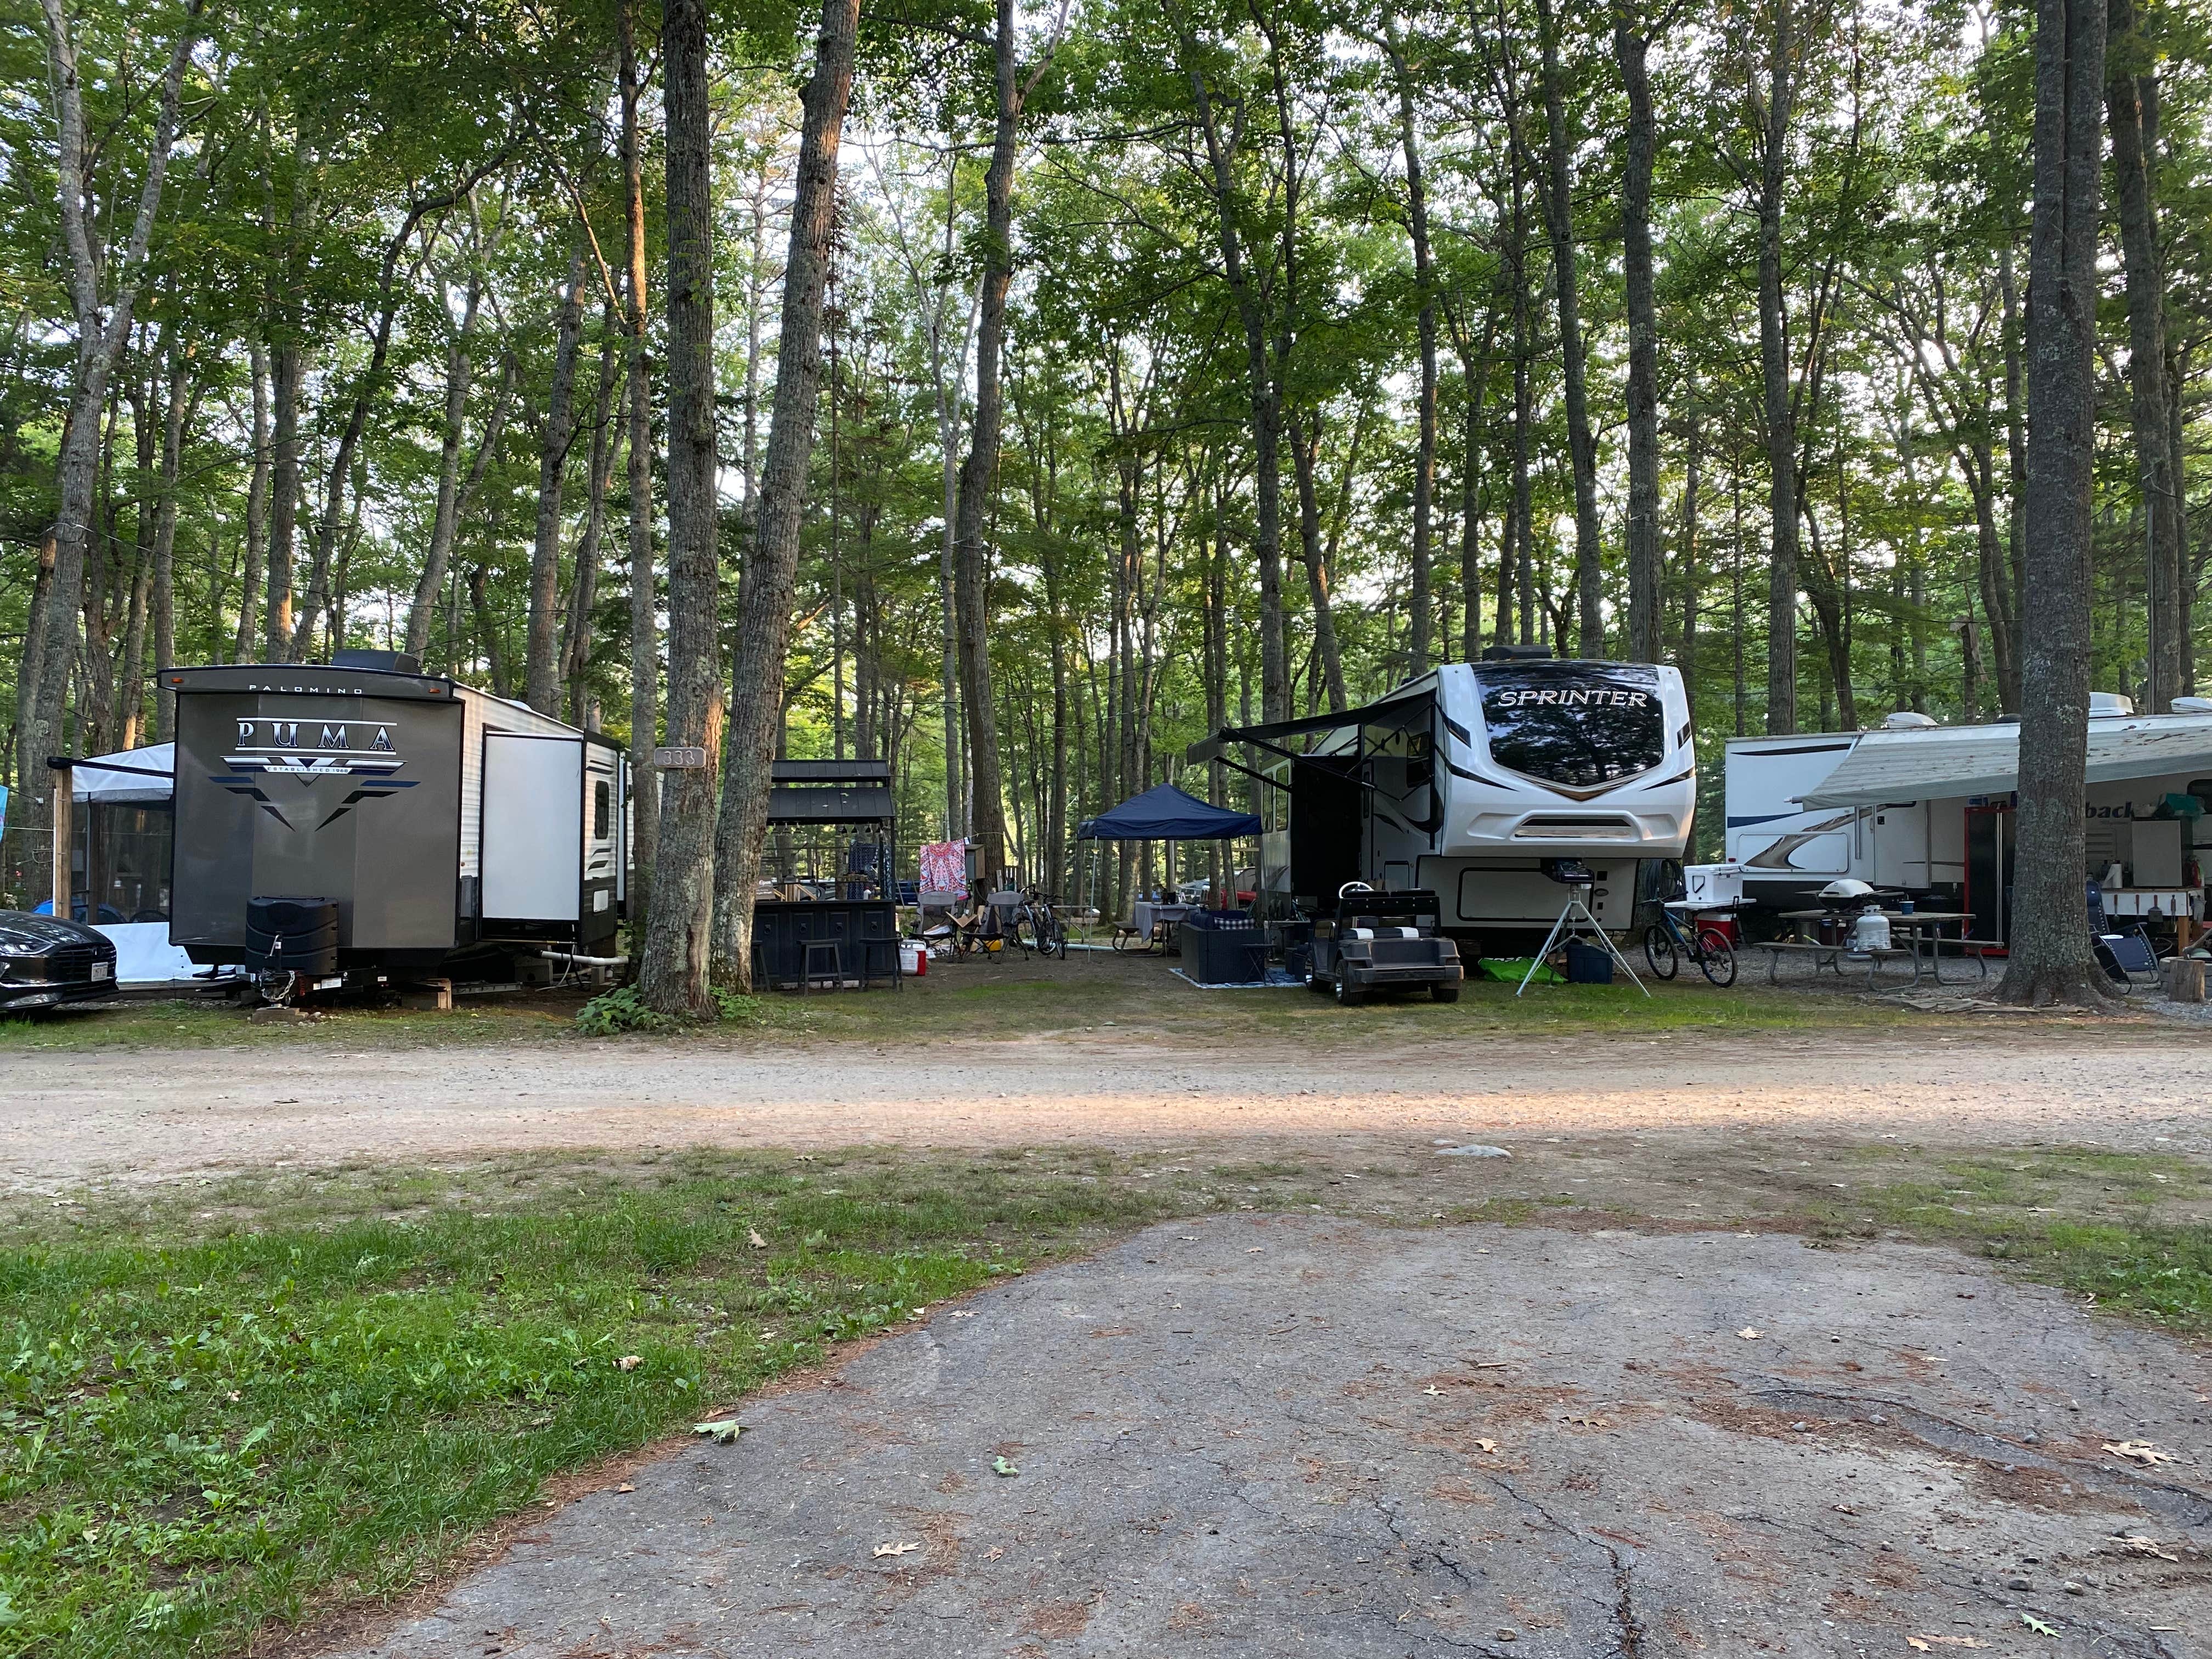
(2125, 956)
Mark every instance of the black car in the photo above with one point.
(44, 961)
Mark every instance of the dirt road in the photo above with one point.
(72, 1116)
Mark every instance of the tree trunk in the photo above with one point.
(2051, 959)
(285, 505)
(1266, 413)
(1555, 185)
(103, 325)
(674, 976)
(765, 597)
(1424, 462)
(1781, 413)
(644, 622)
(1686, 655)
(542, 671)
(1305, 441)
(583, 577)
(979, 473)
(2148, 402)
(1630, 47)
(256, 508)
(176, 412)
(459, 372)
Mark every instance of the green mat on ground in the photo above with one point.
(1511, 971)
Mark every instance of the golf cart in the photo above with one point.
(1381, 941)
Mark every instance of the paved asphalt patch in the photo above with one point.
(1258, 1435)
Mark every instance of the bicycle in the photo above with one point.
(1037, 926)
(1665, 944)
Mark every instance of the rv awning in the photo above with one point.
(1166, 813)
(127, 777)
(1390, 708)
(1984, 760)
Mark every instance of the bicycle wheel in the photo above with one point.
(1717, 956)
(1659, 952)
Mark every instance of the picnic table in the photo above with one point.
(1918, 928)
(1151, 922)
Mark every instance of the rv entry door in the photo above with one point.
(534, 830)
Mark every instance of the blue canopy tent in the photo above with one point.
(1165, 813)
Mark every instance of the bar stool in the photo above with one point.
(835, 973)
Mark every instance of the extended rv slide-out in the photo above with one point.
(1928, 809)
(1467, 781)
(447, 826)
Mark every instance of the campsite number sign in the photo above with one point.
(689, 759)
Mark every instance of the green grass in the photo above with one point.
(202, 1434)
(2101, 1223)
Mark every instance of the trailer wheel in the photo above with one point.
(1348, 995)
(1445, 993)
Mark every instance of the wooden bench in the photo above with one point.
(1831, 957)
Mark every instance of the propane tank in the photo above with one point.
(1870, 932)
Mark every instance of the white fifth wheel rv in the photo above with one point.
(1928, 809)
(1467, 781)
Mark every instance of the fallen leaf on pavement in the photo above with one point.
(2138, 1544)
(2037, 1626)
(722, 1433)
(1000, 1466)
(1486, 1445)
(882, 1550)
(1433, 1392)
(1591, 1422)
(625, 1486)
(2138, 1451)
(1749, 1333)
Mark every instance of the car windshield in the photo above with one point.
(1578, 725)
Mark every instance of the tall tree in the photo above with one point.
(765, 596)
(542, 671)
(2050, 960)
(1631, 47)
(1425, 407)
(1772, 110)
(1555, 186)
(644, 597)
(674, 978)
(103, 281)
(2129, 89)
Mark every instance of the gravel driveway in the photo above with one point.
(67, 1117)
(1249, 1435)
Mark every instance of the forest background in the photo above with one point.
(1180, 363)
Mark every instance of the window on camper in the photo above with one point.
(1573, 723)
(603, 810)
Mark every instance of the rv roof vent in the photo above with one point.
(388, 662)
(2192, 705)
(1907, 719)
(1517, 653)
(2109, 705)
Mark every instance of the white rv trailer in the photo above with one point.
(1928, 809)
(1468, 779)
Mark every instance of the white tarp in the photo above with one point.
(143, 955)
(1951, 762)
(92, 780)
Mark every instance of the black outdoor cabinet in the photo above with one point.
(831, 848)
(865, 931)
